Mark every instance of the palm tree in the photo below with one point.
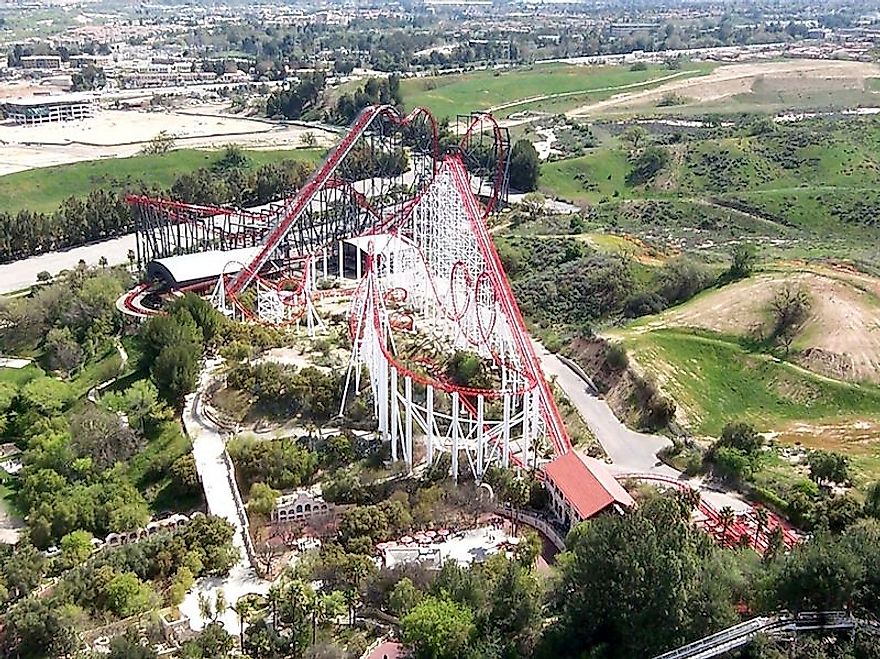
(351, 598)
(244, 607)
(690, 497)
(274, 598)
(727, 518)
(762, 517)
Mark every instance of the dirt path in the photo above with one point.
(733, 79)
(581, 92)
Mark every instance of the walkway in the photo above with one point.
(208, 447)
(387, 650)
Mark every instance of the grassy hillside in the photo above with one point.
(449, 95)
(806, 189)
(44, 189)
(714, 380)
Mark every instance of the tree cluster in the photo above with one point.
(385, 91)
(297, 98)
(279, 463)
(284, 390)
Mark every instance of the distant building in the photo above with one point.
(625, 29)
(47, 109)
(41, 62)
(81, 61)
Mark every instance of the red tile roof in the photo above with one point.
(586, 484)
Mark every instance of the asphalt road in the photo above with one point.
(22, 274)
(630, 452)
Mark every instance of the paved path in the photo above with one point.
(22, 274)
(628, 450)
(208, 446)
(387, 650)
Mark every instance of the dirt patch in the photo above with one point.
(854, 438)
(840, 339)
(734, 79)
(122, 133)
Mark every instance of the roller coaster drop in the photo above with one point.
(426, 283)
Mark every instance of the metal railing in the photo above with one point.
(743, 633)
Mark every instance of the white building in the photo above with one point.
(46, 109)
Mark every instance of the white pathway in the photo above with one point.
(628, 450)
(22, 274)
(208, 445)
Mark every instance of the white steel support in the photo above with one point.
(505, 430)
(395, 416)
(456, 431)
(408, 428)
(429, 434)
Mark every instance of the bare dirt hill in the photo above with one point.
(840, 339)
(733, 79)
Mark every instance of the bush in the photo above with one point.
(616, 356)
(644, 304)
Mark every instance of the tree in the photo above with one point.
(525, 166)
(827, 467)
(213, 642)
(743, 259)
(762, 517)
(127, 595)
(727, 518)
(438, 629)
(820, 575)
(175, 373)
(789, 309)
(533, 203)
(162, 142)
(404, 597)
(33, 628)
(646, 165)
(63, 353)
(634, 137)
(622, 574)
(140, 403)
(102, 436)
(262, 500)
(76, 547)
(741, 436)
(872, 501)
(185, 476)
(89, 78)
(46, 396)
(23, 571)
(128, 646)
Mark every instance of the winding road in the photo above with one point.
(629, 451)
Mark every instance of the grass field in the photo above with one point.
(714, 380)
(20, 376)
(44, 189)
(449, 95)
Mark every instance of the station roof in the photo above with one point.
(586, 484)
(178, 271)
(39, 100)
